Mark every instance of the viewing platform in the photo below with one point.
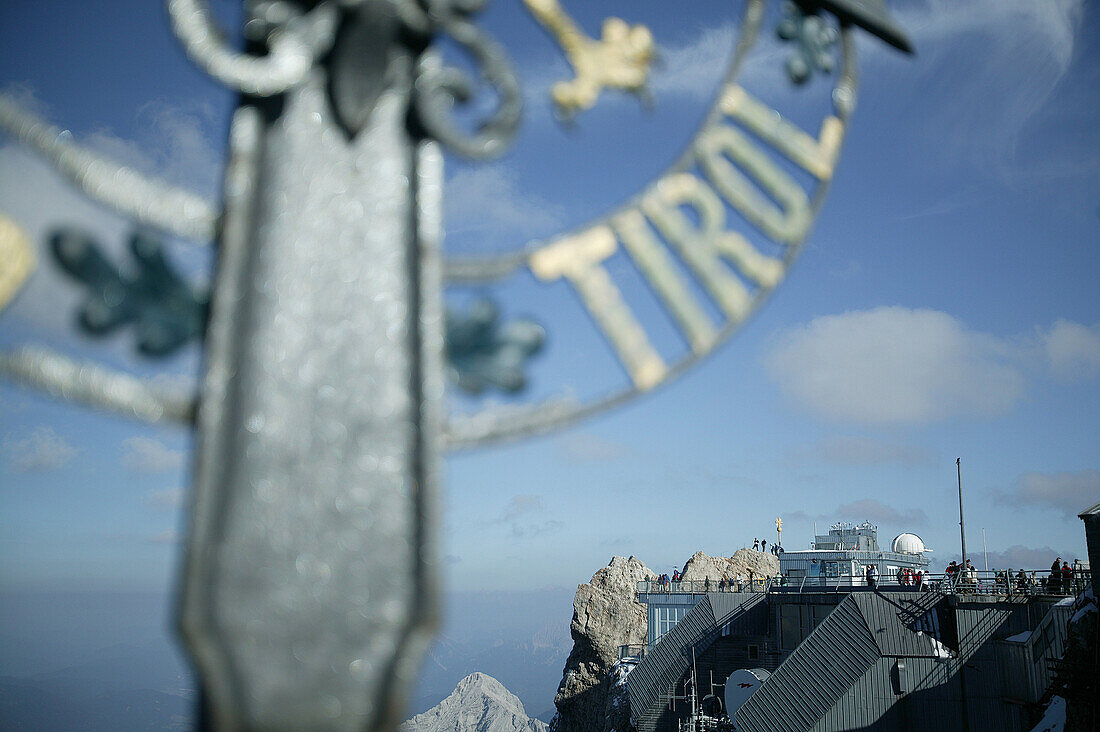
(1036, 582)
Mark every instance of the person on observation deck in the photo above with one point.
(872, 576)
(1067, 578)
(971, 575)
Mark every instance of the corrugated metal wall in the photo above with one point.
(806, 685)
(656, 676)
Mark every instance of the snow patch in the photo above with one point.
(1054, 719)
(1086, 603)
(1091, 608)
(939, 649)
(619, 673)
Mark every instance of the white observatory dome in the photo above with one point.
(908, 544)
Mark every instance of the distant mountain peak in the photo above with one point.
(479, 703)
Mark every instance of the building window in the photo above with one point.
(665, 619)
(754, 652)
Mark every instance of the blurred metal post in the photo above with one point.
(308, 593)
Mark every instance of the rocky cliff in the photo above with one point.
(741, 564)
(479, 703)
(606, 615)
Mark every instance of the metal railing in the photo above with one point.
(632, 651)
(1020, 582)
(975, 582)
(699, 587)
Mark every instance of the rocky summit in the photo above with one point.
(479, 703)
(744, 563)
(606, 615)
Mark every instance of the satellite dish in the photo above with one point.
(740, 685)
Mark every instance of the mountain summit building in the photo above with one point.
(817, 649)
(842, 556)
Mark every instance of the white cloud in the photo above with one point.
(165, 499)
(1016, 557)
(866, 509)
(522, 515)
(522, 505)
(991, 67)
(877, 512)
(851, 450)
(146, 455)
(895, 365)
(41, 450)
(172, 145)
(1067, 492)
(696, 67)
(488, 199)
(1073, 350)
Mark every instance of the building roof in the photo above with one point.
(1093, 510)
(864, 627)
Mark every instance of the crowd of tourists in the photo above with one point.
(675, 583)
(961, 577)
(964, 578)
(906, 577)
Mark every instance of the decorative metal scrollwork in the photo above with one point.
(481, 352)
(294, 39)
(438, 86)
(815, 42)
(166, 311)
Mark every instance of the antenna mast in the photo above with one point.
(962, 526)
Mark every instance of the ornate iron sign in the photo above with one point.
(748, 172)
(309, 592)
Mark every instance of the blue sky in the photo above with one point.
(946, 305)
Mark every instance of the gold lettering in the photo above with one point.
(578, 258)
(704, 247)
(16, 260)
(660, 271)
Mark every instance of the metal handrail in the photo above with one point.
(699, 587)
(974, 582)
